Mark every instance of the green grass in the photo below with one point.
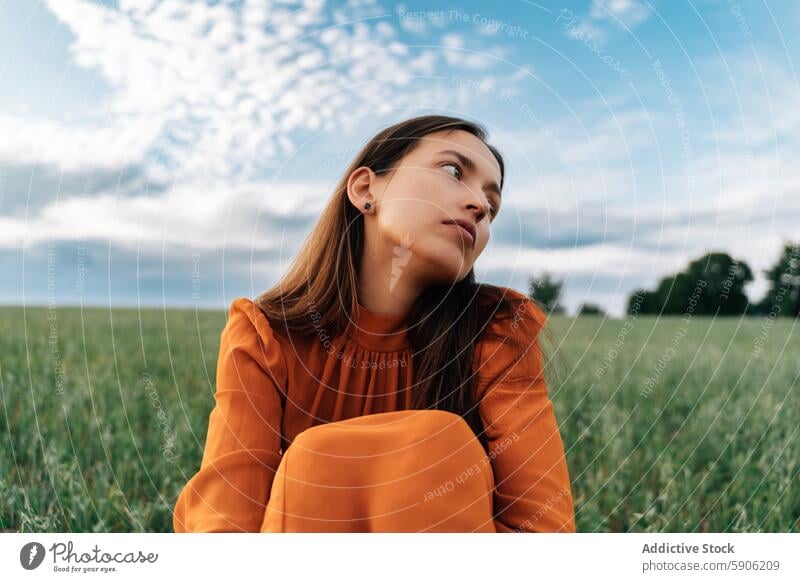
(107, 446)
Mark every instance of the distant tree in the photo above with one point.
(642, 301)
(718, 281)
(712, 284)
(783, 295)
(546, 291)
(591, 309)
(672, 294)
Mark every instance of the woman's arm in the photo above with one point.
(532, 486)
(242, 451)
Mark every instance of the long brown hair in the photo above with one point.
(445, 321)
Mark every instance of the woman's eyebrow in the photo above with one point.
(470, 165)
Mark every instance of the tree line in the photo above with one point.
(713, 284)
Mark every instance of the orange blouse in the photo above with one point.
(270, 389)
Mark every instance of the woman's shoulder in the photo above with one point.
(245, 309)
(509, 346)
(248, 346)
(245, 305)
(246, 321)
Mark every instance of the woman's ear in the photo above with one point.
(359, 186)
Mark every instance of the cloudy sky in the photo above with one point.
(177, 153)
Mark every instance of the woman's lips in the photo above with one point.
(465, 234)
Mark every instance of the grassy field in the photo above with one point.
(668, 426)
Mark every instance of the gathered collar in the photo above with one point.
(379, 331)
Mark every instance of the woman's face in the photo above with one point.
(448, 176)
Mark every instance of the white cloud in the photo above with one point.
(457, 53)
(220, 90)
(43, 141)
(210, 216)
(620, 14)
(625, 13)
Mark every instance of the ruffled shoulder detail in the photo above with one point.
(509, 349)
(244, 309)
(249, 329)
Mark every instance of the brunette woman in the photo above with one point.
(377, 386)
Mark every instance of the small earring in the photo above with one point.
(367, 206)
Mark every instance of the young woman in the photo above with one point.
(377, 386)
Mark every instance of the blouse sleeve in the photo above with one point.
(242, 452)
(532, 486)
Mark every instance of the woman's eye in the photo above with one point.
(456, 166)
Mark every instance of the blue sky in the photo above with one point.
(177, 153)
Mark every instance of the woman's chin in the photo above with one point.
(447, 263)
